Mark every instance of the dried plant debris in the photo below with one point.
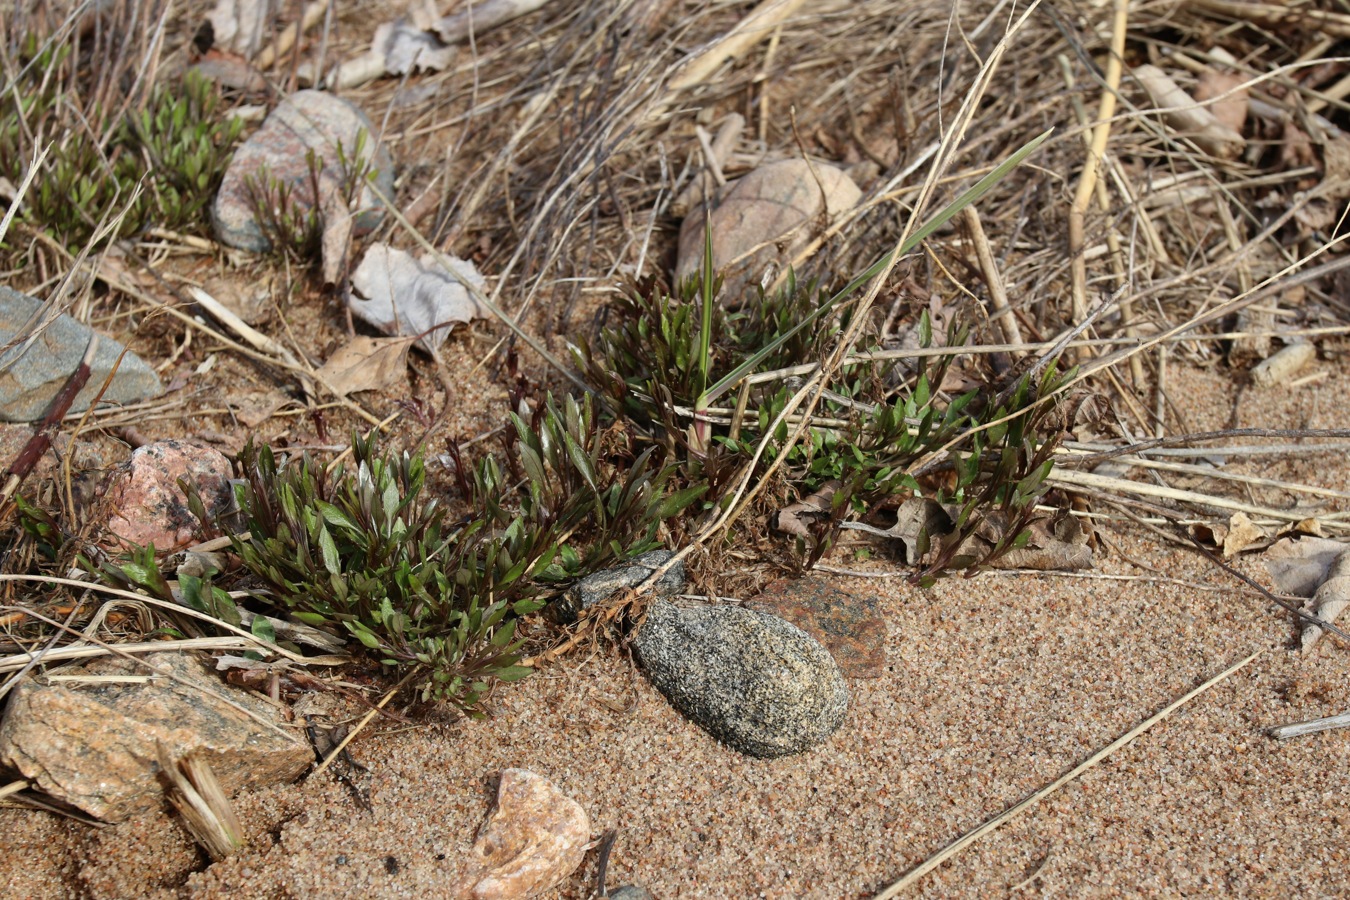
(1298, 565)
(241, 26)
(1331, 599)
(367, 364)
(422, 298)
(197, 795)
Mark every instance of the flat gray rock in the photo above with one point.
(304, 121)
(763, 687)
(32, 374)
(602, 585)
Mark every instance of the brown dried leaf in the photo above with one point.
(1242, 534)
(790, 518)
(367, 364)
(1231, 108)
(259, 406)
(1058, 543)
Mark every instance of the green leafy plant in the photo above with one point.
(173, 146)
(670, 356)
(362, 550)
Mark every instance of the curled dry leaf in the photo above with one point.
(1298, 565)
(790, 518)
(367, 364)
(1242, 534)
(1284, 365)
(404, 295)
(1331, 599)
(400, 47)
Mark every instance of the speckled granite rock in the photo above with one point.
(304, 121)
(145, 505)
(32, 375)
(535, 836)
(758, 684)
(602, 585)
(93, 745)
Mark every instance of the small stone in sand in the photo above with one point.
(93, 745)
(849, 624)
(758, 684)
(534, 837)
(145, 504)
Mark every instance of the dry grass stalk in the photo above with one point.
(197, 795)
(1012, 812)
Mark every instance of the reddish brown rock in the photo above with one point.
(534, 837)
(145, 504)
(93, 745)
(848, 625)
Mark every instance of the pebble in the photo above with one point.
(93, 745)
(758, 684)
(534, 838)
(32, 375)
(144, 504)
(304, 121)
(602, 585)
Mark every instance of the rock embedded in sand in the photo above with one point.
(145, 505)
(848, 625)
(755, 682)
(757, 211)
(602, 585)
(93, 745)
(304, 121)
(535, 836)
(31, 375)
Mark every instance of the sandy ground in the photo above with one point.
(994, 687)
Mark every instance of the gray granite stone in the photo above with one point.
(304, 121)
(32, 374)
(602, 585)
(760, 685)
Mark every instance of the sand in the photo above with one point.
(994, 687)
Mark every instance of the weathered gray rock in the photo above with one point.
(31, 375)
(534, 837)
(93, 745)
(602, 585)
(304, 121)
(145, 505)
(630, 892)
(758, 211)
(751, 680)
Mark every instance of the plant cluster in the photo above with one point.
(872, 436)
(173, 148)
(362, 550)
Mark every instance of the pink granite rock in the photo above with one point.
(778, 203)
(146, 505)
(93, 745)
(534, 838)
